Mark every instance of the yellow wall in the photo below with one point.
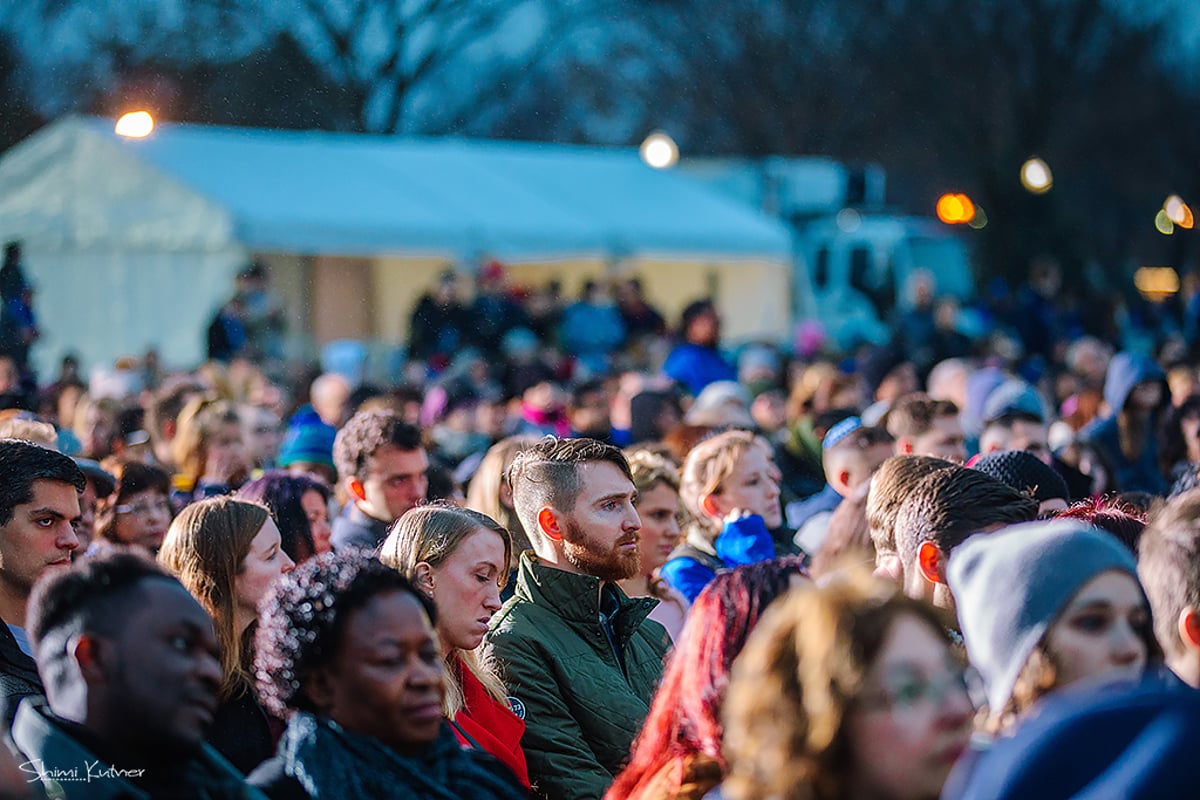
(365, 298)
(753, 296)
(399, 283)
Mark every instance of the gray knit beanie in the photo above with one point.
(1010, 587)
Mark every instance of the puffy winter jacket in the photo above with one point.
(582, 706)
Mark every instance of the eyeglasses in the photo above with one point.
(145, 509)
(907, 689)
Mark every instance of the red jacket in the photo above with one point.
(491, 725)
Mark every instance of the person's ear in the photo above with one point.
(843, 482)
(423, 577)
(356, 489)
(318, 687)
(1189, 627)
(711, 506)
(89, 655)
(547, 521)
(932, 562)
(505, 495)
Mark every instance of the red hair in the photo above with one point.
(685, 717)
(1119, 518)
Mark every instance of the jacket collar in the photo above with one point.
(49, 748)
(576, 598)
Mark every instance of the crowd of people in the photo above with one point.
(574, 558)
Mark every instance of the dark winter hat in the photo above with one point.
(102, 480)
(1024, 472)
(308, 444)
(1085, 742)
(1011, 585)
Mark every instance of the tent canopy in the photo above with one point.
(348, 194)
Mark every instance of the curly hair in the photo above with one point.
(303, 617)
(363, 436)
(797, 681)
(707, 466)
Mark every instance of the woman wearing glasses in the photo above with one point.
(138, 512)
(849, 690)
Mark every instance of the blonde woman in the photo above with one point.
(730, 488)
(657, 503)
(490, 494)
(459, 558)
(210, 456)
(228, 554)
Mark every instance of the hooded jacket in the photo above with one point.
(1126, 371)
(582, 706)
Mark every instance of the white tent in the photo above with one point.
(134, 242)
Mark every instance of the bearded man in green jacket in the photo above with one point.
(579, 658)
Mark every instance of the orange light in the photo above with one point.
(954, 209)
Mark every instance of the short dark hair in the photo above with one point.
(694, 310)
(22, 463)
(365, 433)
(1169, 566)
(547, 474)
(913, 414)
(303, 618)
(952, 503)
(89, 596)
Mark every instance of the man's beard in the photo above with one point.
(591, 558)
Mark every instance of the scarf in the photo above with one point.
(332, 762)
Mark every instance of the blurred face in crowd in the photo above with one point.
(225, 453)
(263, 434)
(1102, 632)
(143, 518)
(589, 416)
(944, 440)
(394, 482)
(600, 535)
(705, 329)
(386, 677)
(1145, 396)
(466, 589)
(912, 719)
(752, 487)
(317, 511)
(658, 507)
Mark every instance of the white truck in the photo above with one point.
(854, 259)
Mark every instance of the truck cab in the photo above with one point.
(854, 260)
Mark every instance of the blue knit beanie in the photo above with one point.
(308, 444)
(1010, 587)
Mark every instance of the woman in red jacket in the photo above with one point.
(460, 558)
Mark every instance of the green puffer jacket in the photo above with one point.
(581, 710)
